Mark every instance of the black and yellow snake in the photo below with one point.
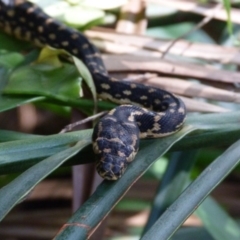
(155, 113)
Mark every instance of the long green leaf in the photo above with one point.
(192, 197)
(217, 221)
(20, 154)
(196, 233)
(227, 5)
(6, 136)
(26, 152)
(8, 102)
(79, 227)
(172, 184)
(15, 191)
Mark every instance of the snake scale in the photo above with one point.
(147, 112)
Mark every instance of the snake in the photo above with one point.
(143, 111)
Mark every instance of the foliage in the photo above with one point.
(30, 79)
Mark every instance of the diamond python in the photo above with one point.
(154, 113)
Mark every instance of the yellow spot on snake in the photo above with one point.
(129, 124)
(166, 96)
(28, 35)
(10, 13)
(133, 85)
(112, 119)
(107, 150)
(37, 42)
(143, 135)
(139, 123)
(151, 90)
(156, 127)
(84, 46)
(181, 110)
(31, 9)
(65, 43)
(127, 92)
(74, 36)
(157, 118)
(113, 79)
(117, 140)
(49, 20)
(100, 128)
(143, 97)
(157, 101)
(52, 36)
(96, 148)
(7, 29)
(104, 74)
(19, 2)
(97, 54)
(40, 29)
(131, 117)
(112, 112)
(17, 31)
(105, 86)
(134, 139)
(131, 157)
(90, 56)
(22, 19)
(121, 154)
(75, 51)
(92, 63)
(62, 27)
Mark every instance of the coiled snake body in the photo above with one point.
(155, 113)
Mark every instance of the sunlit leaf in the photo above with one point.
(104, 4)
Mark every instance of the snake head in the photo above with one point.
(113, 158)
(114, 152)
(111, 167)
(115, 143)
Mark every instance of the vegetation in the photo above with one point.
(211, 94)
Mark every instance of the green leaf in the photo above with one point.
(227, 5)
(7, 102)
(217, 221)
(26, 152)
(44, 80)
(111, 192)
(20, 154)
(79, 16)
(6, 136)
(73, 14)
(174, 31)
(172, 184)
(83, 70)
(15, 191)
(12, 44)
(10, 59)
(196, 233)
(104, 4)
(50, 55)
(193, 196)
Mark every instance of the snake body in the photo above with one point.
(155, 113)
